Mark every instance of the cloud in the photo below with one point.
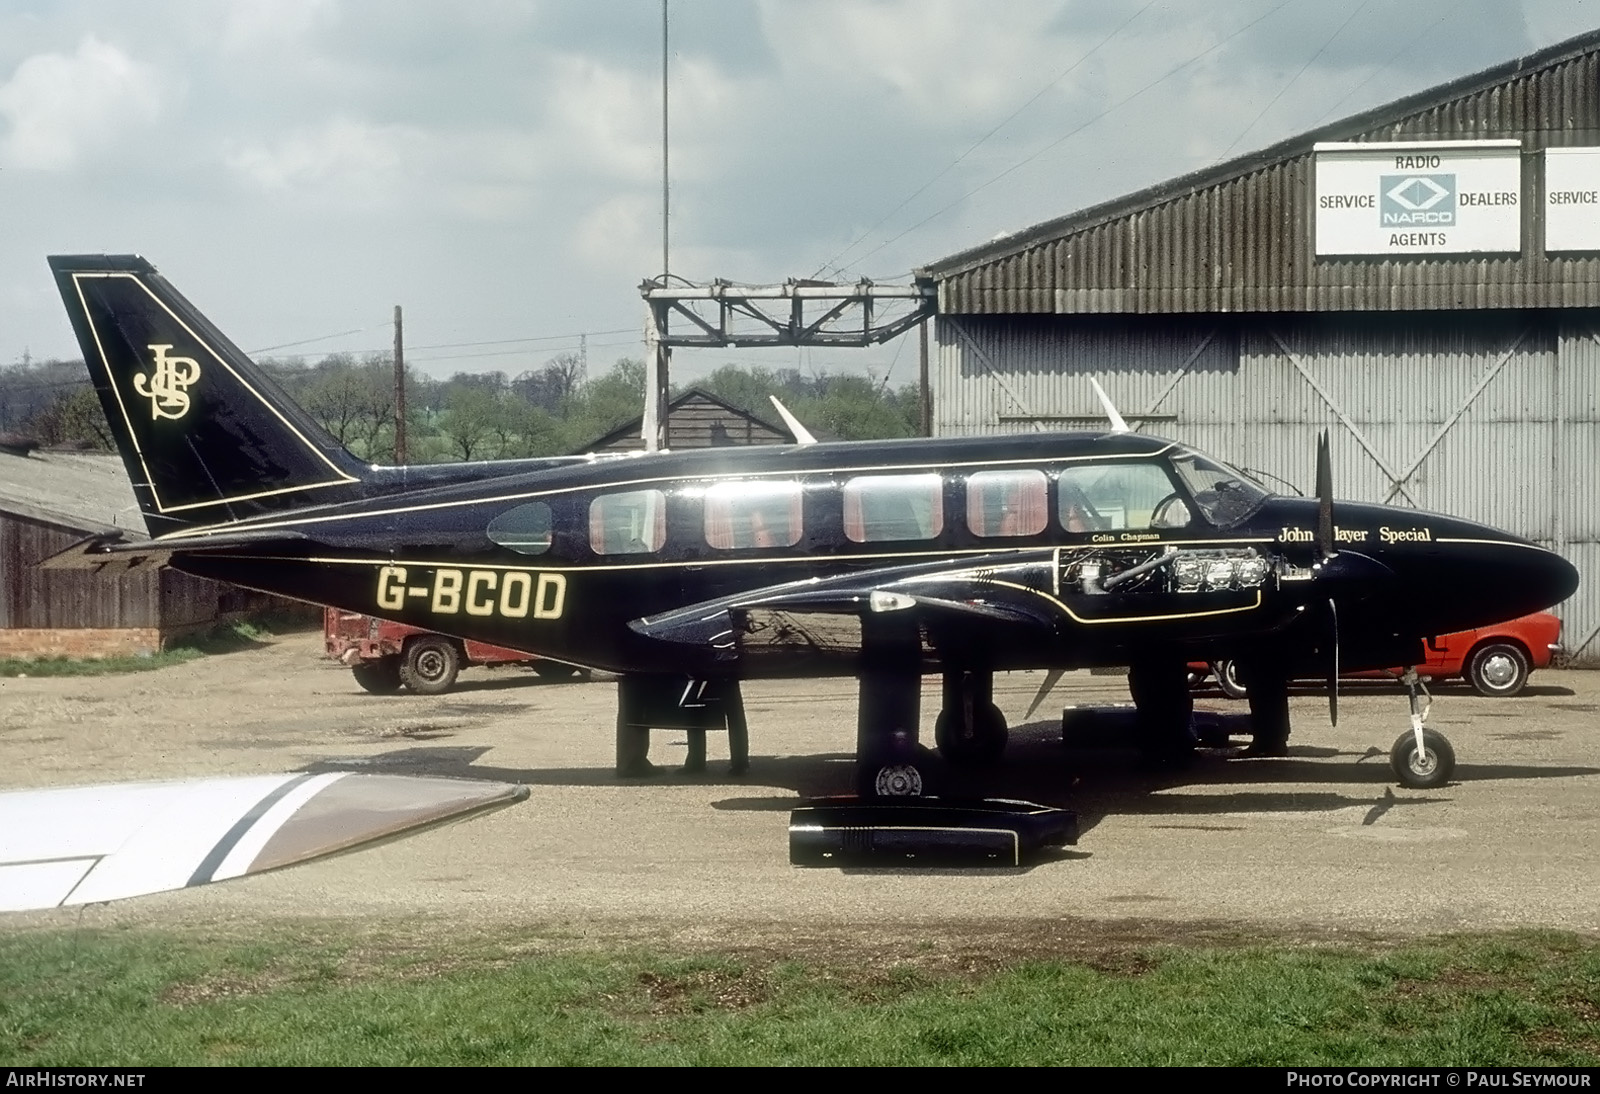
(63, 110)
(619, 233)
(341, 159)
(253, 24)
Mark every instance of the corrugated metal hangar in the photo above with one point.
(1422, 279)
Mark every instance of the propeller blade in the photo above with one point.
(1118, 425)
(1333, 672)
(1051, 678)
(1324, 498)
(802, 435)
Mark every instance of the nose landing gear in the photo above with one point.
(1422, 758)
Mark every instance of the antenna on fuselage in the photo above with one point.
(1117, 424)
(802, 435)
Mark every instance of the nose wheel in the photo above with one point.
(1422, 758)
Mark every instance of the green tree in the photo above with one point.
(73, 417)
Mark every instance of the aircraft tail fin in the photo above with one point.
(207, 437)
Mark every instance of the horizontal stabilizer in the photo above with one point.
(102, 554)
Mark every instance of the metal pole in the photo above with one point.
(925, 409)
(399, 390)
(665, 266)
(656, 381)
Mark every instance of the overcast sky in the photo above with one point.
(298, 167)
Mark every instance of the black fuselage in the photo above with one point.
(574, 561)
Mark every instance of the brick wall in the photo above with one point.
(78, 642)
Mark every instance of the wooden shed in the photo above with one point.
(52, 500)
(697, 419)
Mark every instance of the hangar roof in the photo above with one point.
(85, 491)
(1238, 236)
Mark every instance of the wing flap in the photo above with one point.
(823, 616)
(83, 845)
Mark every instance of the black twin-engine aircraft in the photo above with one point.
(884, 560)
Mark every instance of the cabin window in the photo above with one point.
(744, 515)
(1102, 497)
(629, 523)
(525, 529)
(1007, 503)
(879, 508)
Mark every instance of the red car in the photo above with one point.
(1495, 660)
(385, 656)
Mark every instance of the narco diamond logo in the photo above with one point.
(1407, 200)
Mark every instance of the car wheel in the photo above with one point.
(1498, 670)
(1227, 673)
(380, 676)
(1430, 768)
(429, 665)
(554, 670)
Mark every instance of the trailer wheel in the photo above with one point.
(380, 676)
(430, 664)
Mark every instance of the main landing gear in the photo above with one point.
(1164, 725)
(970, 730)
(890, 763)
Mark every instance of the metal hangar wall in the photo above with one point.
(1422, 279)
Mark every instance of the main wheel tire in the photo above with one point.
(1499, 670)
(554, 670)
(1426, 770)
(429, 665)
(984, 746)
(380, 676)
(898, 773)
(1227, 673)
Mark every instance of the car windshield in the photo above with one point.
(1224, 494)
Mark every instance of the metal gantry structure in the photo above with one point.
(797, 312)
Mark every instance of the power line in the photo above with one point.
(458, 345)
(1282, 90)
(1448, 11)
(308, 341)
(535, 338)
(1070, 133)
(1007, 121)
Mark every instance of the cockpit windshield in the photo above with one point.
(1224, 494)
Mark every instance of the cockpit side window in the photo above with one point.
(1102, 497)
(744, 515)
(525, 529)
(632, 522)
(1007, 503)
(1224, 495)
(879, 508)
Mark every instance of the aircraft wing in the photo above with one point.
(83, 845)
(974, 597)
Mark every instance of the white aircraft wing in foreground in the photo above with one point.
(82, 845)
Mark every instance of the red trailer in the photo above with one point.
(385, 656)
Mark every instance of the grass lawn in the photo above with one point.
(351, 994)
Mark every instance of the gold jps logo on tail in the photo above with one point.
(167, 385)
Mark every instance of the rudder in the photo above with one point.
(206, 436)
